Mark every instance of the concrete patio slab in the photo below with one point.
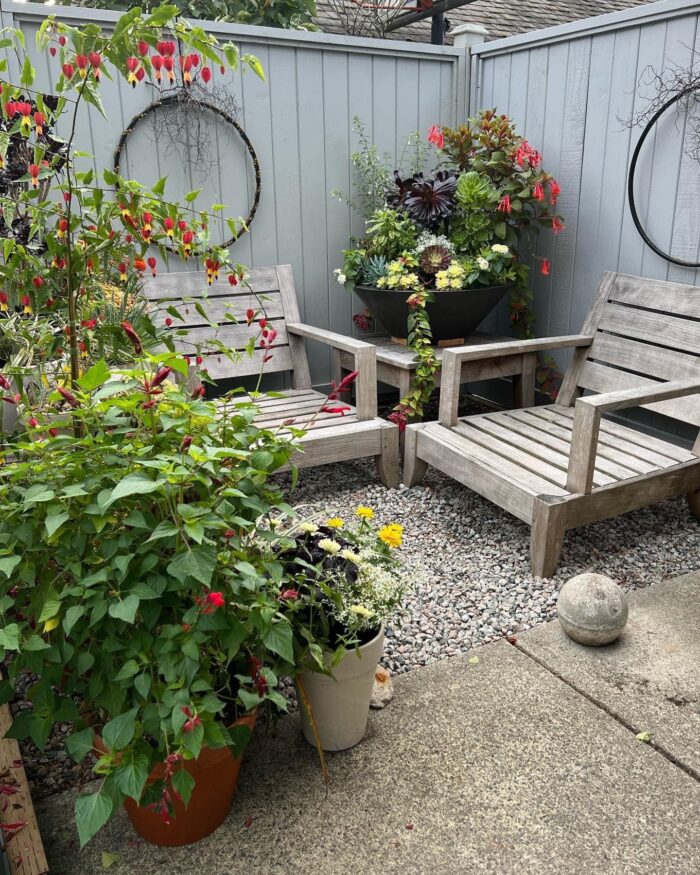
(486, 764)
(650, 677)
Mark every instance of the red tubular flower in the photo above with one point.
(347, 381)
(504, 205)
(133, 336)
(26, 304)
(26, 112)
(132, 65)
(168, 321)
(142, 47)
(212, 270)
(140, 73)
(250, 315)
(554, 192)
(161, 375)
(62, 40)
(68, 396)
(81, 62)
(157, 62)
(187, 69)
(233, 279)
(289, 594)
(122, 268)
(11, 109)
(168, 49)
(152, 264)
(39, 122)
(399, 417)
(34, 171)
(538, 192)
(62, 228)
(186, 443)
(187, 239)
(53, 432)
(257, 676)
(545, 267)
(32, 422)
(557, 225)
(37, 282)
(168, 65)
(182, 225)
(82, 346)
(199, 392)
(52, 51)
(436, 137)
(169, 225)
(95, 59)
(3, 306)
(206, 75)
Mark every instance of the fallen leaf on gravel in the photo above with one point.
(109, 859)
(474, 660)
(248, 822)
(644, 736)
(409, 826)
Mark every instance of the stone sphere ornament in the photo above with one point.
(592, 609)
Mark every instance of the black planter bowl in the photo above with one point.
(453, 314)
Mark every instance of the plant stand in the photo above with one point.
(396, 364)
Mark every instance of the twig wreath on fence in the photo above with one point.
(675, 87)
(182, 97)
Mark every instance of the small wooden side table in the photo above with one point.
(396, 364)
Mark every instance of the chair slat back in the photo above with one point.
(216, 314)
(647, 331)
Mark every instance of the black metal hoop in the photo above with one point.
(630, 180)
(175, 99)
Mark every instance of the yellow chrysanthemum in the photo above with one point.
(361, 611)
(391, 535)
(335, 522)
(365, 513)
(329, 546)
(309, 528)
(350, 556)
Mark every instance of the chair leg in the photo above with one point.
(413, 468)
(546, 537)
(388, 466)
(694, 503)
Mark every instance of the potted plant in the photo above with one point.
(344, 585)
(135, 581)
(442, 251)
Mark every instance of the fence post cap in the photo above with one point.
(467, 35)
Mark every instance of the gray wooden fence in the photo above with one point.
(300, 124)
(569, 88)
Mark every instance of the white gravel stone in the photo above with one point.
(474, 581)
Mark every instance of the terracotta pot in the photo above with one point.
(340, 704)
(216, 775)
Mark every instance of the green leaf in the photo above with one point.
(73, 614)
(55, 520)
(131, 777)
(128, 670)
(28, 73)
(95, 377)
(8, 564)
(193, 195)
(120, 731)
(183, 782)
(80, 744)
(142, 683)
(91, 813)
(255, 66)
(163, 530)
(109, 859)
(9, 637)
(51, 607)
(279, 640)
(125, 609)
(199, 563)
(132, 485)
(159, 187)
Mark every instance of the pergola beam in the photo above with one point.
(438, 8)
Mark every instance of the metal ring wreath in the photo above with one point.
(630, 180)
(174, 99)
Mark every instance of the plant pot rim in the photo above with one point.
(440, 292)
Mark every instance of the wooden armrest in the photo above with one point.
(587, 415)
(365, 355)
(454, 357)
(476, 352)
(330, 338)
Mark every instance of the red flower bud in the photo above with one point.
(53, 432)
(206, 75)
(37, 282)
(168, 321)
(132, 64)
(68, 396)
(62, 40)
(161, 375)
(142, 47)
(133, 336)
(68, 71)
(186, 443)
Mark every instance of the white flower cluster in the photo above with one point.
(373, 597)
(340, 276)
(427, 239)
(500, 249)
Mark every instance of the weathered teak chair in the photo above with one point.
(355, 433)
(562, 466)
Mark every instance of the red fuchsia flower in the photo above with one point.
(289, 594)
(39, 122)
(140, 73)
(128, 329)
(232, 279)
(122, 268)
(34, 171)
(262, 323)
(206, 75)
(538, 192)
(81, 62)
(157, 62)
(68, 396)
(147, 220)
(168, 49)
(26, 111)
(554, 192)
(212, 270)
(11, 109)
(95, 59)
(4, 305)
(545, 267)
(62, 228)
(186, 65)
(169, 225)
(222, 69)
(26, 302)
(142, 47)
(504, 205)
(152, 264)
(169, 66)
(195, 60)
(68, 70)
(436, 137)
(557, 225)
(37, 282)
(187, 239)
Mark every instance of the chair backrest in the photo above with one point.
(645, 331)
(268, 291)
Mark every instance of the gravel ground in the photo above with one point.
(471, 562)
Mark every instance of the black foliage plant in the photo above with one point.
(426, 201)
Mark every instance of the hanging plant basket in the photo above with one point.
(453, 314)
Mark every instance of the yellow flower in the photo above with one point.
(329, 546)
(335, 522)
(361, 611)
(391, 535)
(365, 513)
(350, 556)
(309, 528)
